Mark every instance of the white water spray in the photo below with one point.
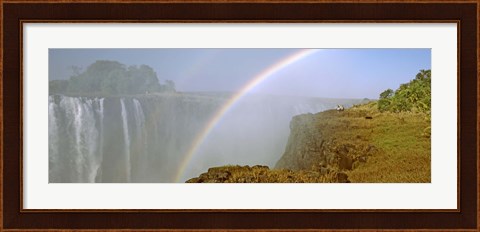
(128, 166)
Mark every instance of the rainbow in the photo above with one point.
(258, 79)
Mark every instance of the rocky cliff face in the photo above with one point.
(148, 137)
(327, 141)
(359, 145)
(262, 174)
(321, 148)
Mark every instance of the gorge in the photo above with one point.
(144, 138)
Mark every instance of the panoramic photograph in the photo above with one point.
(225, 115)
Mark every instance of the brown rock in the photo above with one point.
(342, 178)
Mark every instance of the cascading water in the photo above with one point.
(74, 138)
(139, 118)
(128, 165)
(100, 112)
(53, 139)
(144, 138)
(140, 142)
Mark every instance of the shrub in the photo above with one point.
(412, 96)
(112, 78)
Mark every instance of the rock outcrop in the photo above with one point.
(263, 174)
(324, 142)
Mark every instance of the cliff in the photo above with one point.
(148, 137)
(359, 144)
(327, 140)
(367, 145)
(263, 174)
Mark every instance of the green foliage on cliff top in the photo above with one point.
(106, 77)
(58, 86)
(383, 147)
(412, 96)
(397, 127)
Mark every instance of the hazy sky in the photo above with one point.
(336, 73)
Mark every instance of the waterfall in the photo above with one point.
(73, 147)
(139, 119)
(140, 141)
(97, 168)
(127, 140)
(144, 138)
(85, 136)
(53, 140)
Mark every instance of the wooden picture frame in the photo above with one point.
(464, 13)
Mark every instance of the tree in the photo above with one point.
(57, 86)
(423, 74)
(91, 80)
(385, 100)
(415, 95)
(386, 94)
(111, 77)
(76, 70)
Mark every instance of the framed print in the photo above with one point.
(240, 115)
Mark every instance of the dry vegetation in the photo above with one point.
(403, 142)
(262, 174)
(384, 147)
(386, 141)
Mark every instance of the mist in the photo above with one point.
(113, 122)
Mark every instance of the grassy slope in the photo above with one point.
(402, 141)
(402, 152)
(262, 174)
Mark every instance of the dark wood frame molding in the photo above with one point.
(15, 13)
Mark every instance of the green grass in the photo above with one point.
(388, 148)
(262, 174)
(404, 149)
